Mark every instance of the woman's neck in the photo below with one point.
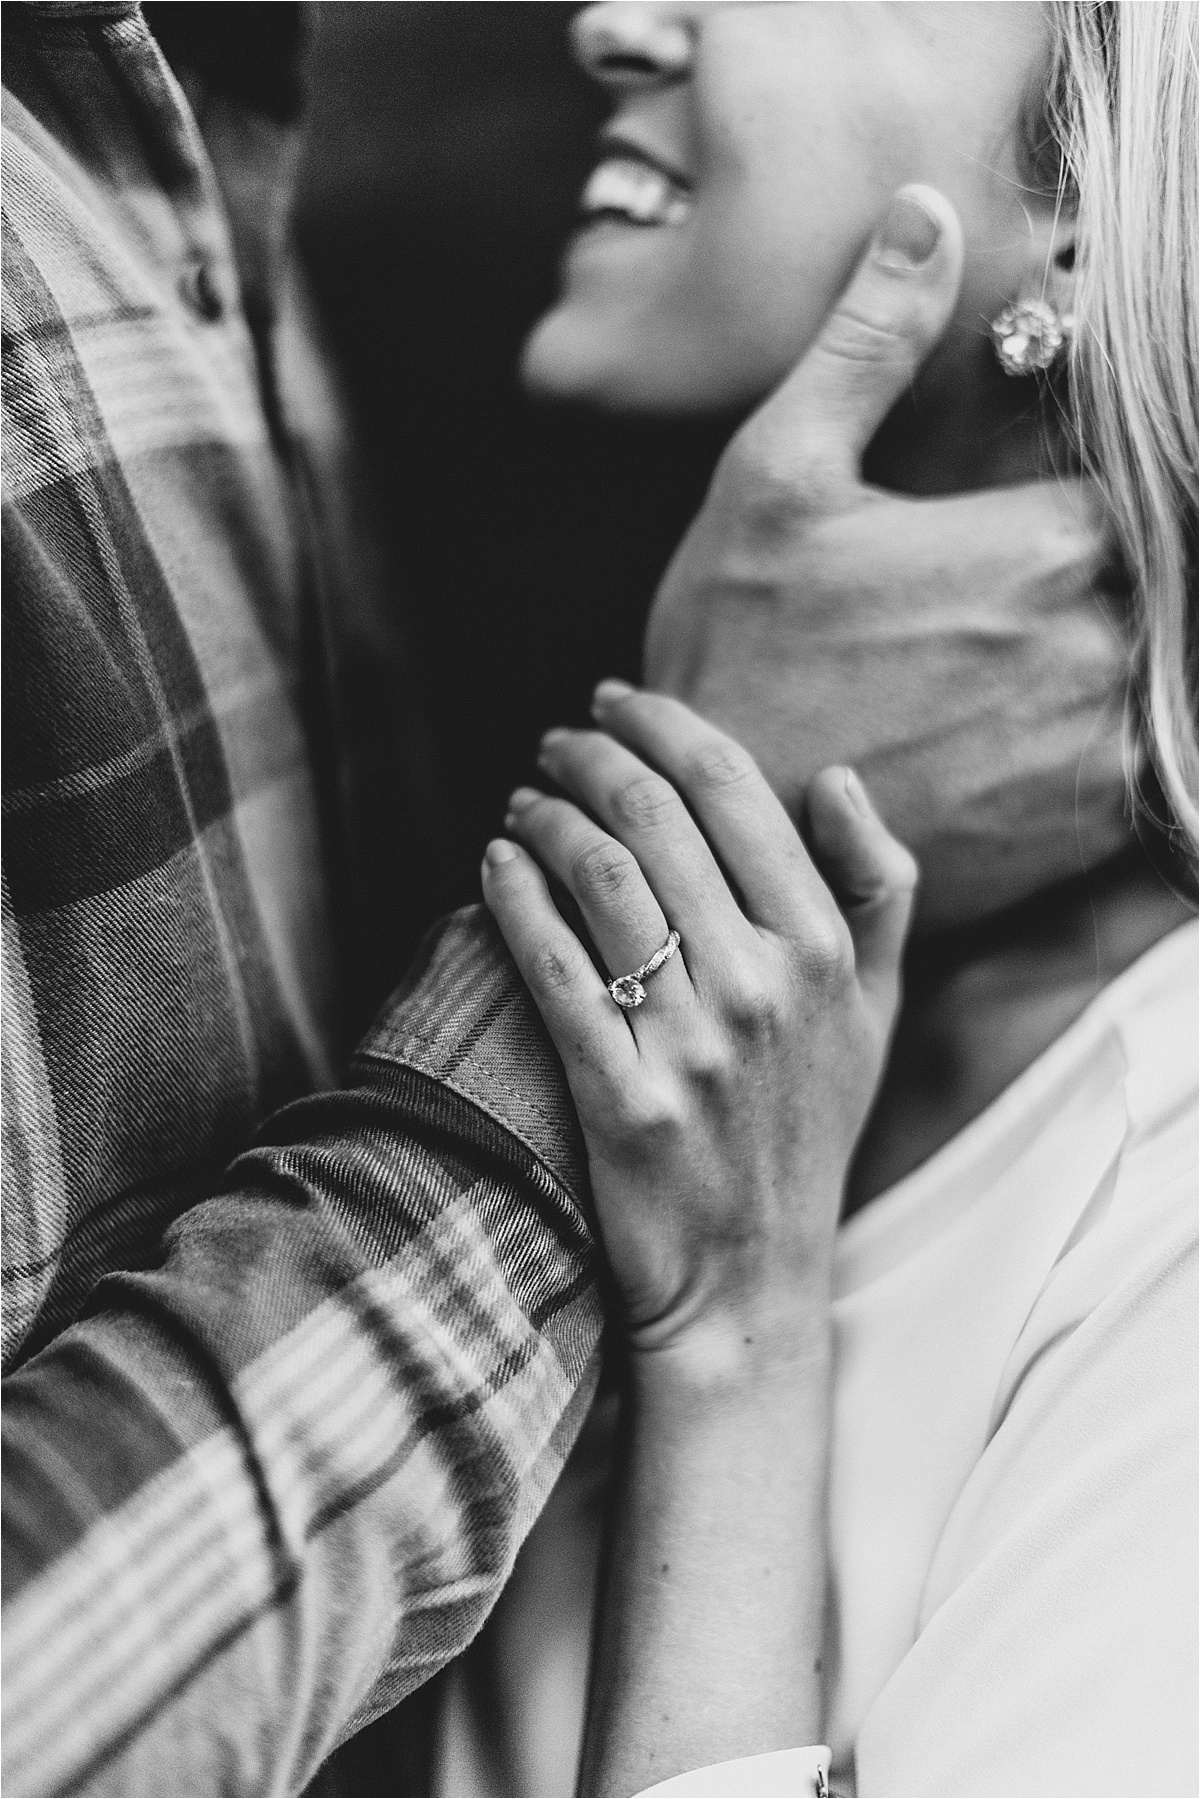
(964, 426)
(982, 1003)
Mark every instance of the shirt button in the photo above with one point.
(199, 291)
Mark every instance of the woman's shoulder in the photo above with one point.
(1143, 1031)
(1120, 1295)
(1060, 1584)
(1057, 1577)
(1139, 1228)
(1154, 1013)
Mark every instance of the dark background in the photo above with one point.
(447, 145)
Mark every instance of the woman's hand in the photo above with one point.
(721, 1114)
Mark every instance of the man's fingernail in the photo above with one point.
(856, 793)
(556, 734)
(522, 797)
(609, 691)
(498, 851)
(908, 236)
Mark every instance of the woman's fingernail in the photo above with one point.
(609, 691)
(520, 799)
(498, 852)
(908, 236)
(856, 793)
(555, 735)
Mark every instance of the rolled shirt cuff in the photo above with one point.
(788, 1773)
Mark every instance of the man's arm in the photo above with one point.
(258, 1493)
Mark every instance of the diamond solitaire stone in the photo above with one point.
(628, 989)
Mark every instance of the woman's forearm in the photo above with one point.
(720, 1108)
(712, 1608)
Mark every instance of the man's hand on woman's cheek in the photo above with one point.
(963, 653)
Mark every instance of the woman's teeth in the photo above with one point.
(635, 191)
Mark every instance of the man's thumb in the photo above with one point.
(818, 422)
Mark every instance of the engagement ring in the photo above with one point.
(628, 989)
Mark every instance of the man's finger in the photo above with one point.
(813, 429)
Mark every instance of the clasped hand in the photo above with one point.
(719, 1115)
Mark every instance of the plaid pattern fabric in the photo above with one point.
(281, 1398)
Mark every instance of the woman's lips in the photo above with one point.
(628, 188)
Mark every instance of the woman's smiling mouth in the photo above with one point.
(630, 187)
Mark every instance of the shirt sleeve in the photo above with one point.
(1056, 1650)
(260, 1491)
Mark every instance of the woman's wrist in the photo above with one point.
(732, 1361)
(726, 1342)
(715, 1591)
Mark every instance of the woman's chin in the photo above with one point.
(606, 365)
(564, 363)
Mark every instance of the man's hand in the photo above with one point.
(960, 653)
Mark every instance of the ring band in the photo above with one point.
(628, 989)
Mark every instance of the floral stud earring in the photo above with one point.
(1030, 335)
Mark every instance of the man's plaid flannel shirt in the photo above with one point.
(289, 1367)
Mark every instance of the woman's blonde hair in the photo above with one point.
(1124, 114)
